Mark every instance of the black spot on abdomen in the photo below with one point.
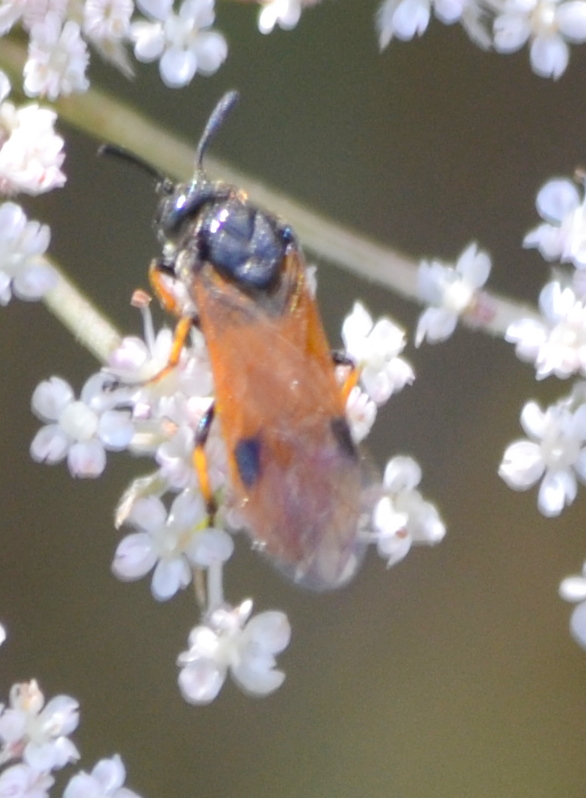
(247, 455)
(341, 432)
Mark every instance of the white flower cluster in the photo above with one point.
(547, 26)
(30, 162)
(129, 406)
(60, 31)
(180, 38)
(34, 742)
(555, 342)
(554, 451)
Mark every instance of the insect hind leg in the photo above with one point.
(200, 461)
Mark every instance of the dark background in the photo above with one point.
(451, 675)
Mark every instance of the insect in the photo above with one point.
(296, 477)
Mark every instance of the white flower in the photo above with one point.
(555, 451)
(452, 292)
(229, 641)
(556, 344)
(284, 13)
(38, 733)
(171, 544)
(106, 24)
(180, 41)
(105, 781)
(402, 517)
(563, 236)
(23, 781)
(548, 25)
(30, 151)
(406, 19)
(57, 59)
(24, 271)
(375, 350)
(80, 430)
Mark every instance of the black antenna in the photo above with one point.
(131, 157)
(220, 112)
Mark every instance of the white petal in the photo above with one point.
(522, 465)
(533, 420)
(169, 577)
(387, 521)
(134, 556)
(82, 785)
(201, 681)
(157, 9)
(187, 510)
(549, 56)
(115, 429)
(211, 51)
(474, 265)
(573, 588)
(356, 326)
(34, 281)
(269, 630)
(402, 473)
(394, 548)
(571, 19)
(448, 11)
(148, 514)
(177, 67)
(548, 240)
(557, 490)
(557, 199)
(210, 546)
(110, 773)
(63, 712)
(435, 325)
(149, 41)
(50, 445)
(511, 31)
(86, 459)
(384, 23)
(257, 681)
(50, 398)
(411, 18)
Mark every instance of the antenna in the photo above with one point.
(220, 112)
(131, 157)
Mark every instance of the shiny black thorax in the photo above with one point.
(206, 222)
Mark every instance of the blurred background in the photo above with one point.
(451, 675)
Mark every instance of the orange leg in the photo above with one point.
(200, 461)
(165, 297)
(169, 303)
(351, 381)
(179, 337)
